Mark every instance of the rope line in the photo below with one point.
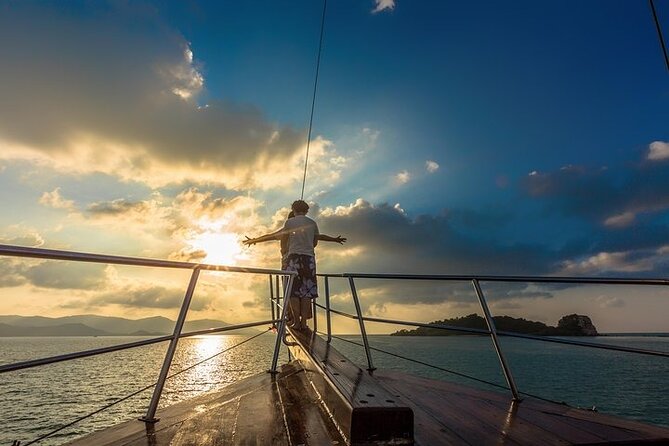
(137, 392)
(659, 33)
(447, 370)
(313, 98)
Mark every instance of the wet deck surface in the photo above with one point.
(446, 413)
(287, 409)
(260, 410)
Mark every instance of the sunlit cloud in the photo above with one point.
(608, 262)
(658, 150)
(31, 239)
(55, 200)
(189, 81)
(610, 302)
(431, 166)
(620, 221)
(403, 177)
(382, 5)
(124, 102)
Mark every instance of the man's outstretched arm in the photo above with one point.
(326, 238)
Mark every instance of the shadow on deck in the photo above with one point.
(322, 399)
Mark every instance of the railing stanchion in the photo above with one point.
(282, 323)
(493, 334)
(328, 322)
(278, 293)
(313, 310)
(150, 416)
(271, 295)
(363, 332)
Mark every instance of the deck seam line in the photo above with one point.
(283, 411)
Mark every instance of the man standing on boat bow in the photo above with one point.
(303, 236)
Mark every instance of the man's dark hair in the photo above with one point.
(300, 207)
(291, 214)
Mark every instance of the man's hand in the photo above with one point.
(339, 239)
(248, 241)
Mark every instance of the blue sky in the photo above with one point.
(449, 137)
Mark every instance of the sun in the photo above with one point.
(222, 248)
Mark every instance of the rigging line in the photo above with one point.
(313, 98)
(447, 370)
(659, 33)
(137, 392)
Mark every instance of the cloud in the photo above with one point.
(620, 221)
(188, 255)
(431, 166)
(633, 261)
(12, 272)
(55, 200)
(65, 275)
(393, 241)
(382, 5)
(31, 239)
(658, 150)
(117, 208)
(148, 296)
(610, 302)
(116, 91)
(613, 197)
(403, 177)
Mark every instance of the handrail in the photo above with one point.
(54, 254)
(493, 278)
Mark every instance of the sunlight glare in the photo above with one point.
(222, 248)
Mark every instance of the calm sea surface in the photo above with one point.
(38, 400)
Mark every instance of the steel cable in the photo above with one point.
(659, 33)
(313, 98)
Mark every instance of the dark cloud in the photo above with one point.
(11, 273)
(149, 297)
(626, 209)
(613, 197)
(387, 238)
(117, 207)
(428, 244)
(64, 275)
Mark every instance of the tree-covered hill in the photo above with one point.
(570, 325)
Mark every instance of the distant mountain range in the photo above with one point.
(93, 325)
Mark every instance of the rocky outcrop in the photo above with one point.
(577, 325)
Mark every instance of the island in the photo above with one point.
(569, 325)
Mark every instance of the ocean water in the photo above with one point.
(38, 400)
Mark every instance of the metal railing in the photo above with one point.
(280, 285)
(52, 254)
(491, 330)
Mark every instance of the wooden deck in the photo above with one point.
(290, 409)
(451, 414)
(260, 410)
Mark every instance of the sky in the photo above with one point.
(516, 138)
